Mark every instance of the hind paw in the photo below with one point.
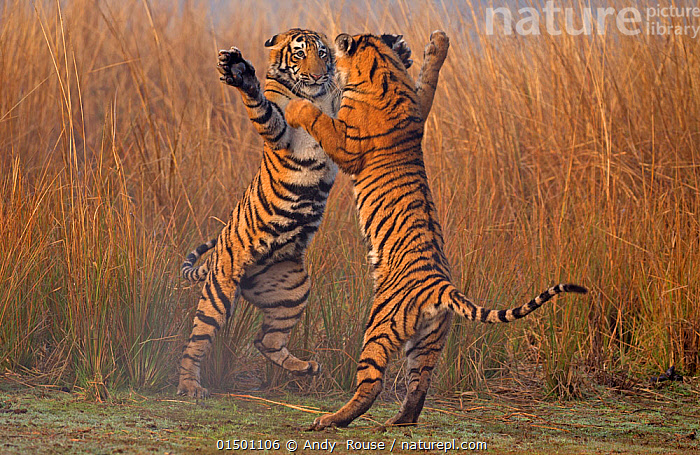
(323, 422)
(402, 418)
(314, 368)
(192, 389)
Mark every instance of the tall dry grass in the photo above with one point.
(551, 158)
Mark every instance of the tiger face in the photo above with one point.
(303, 61)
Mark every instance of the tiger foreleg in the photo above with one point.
(327, 131)
(433, 59)
(266, 116)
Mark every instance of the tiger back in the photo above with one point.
(377, 140)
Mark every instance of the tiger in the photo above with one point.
(259, 254)
(376, 139)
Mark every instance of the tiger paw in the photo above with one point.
(438, 45)
(402, 418)
(192, 389)
(323, 422)
(314, 369)
(296, 111)
(237, 71)
(400, 47)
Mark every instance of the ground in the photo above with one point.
(41, 419)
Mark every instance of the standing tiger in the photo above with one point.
(377, 140)
(260, 252)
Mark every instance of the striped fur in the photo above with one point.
(259, 254)
(377, 139)
(188, 269)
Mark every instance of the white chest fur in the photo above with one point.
(305, 147)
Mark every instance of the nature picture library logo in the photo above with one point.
(652, 20)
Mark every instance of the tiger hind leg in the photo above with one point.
(215, 306)
(378, 347)
(281, 291)
(422, 352)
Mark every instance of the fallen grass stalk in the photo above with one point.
(265, 400)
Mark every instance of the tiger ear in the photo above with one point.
(272, 41)
(345, 44)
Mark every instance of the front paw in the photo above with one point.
(294, 114)
(438, 45)
(237, 71)
(403, 51)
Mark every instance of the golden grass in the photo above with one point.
(551, 158)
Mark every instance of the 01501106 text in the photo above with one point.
(247, 444)
(351, 445)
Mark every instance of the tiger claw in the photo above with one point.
(226, 80)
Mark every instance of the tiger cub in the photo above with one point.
(259, 254)
(377, 140)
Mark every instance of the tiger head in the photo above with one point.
(364, 54)
(302, 60)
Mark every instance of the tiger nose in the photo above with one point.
(317, 76)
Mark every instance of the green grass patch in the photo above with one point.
(46, 420)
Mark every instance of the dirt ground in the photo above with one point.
(37, 419)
